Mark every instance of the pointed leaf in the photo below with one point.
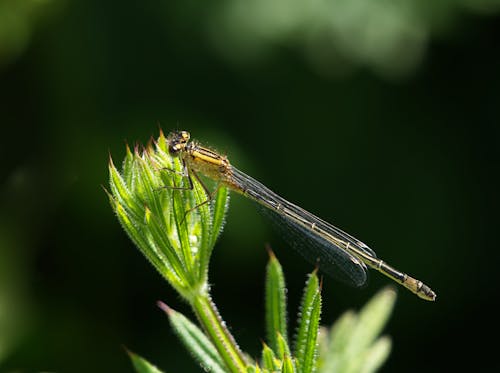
(306, 343)
(376, 355)
(352, 347)
(288, 366)
(127, 167)
(283, 348)
(269, 360)
(165, 250)
(195, 341)
(373, 317)
(275, 304)
(203, 207)
(220, 207)
(342, 330)
(254, 369)
(161, 142)
(141, 365)
(122, 193)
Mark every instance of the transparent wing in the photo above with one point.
(292, 221)
(332, 260)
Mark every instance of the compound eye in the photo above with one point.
(177, 141)
(174, 149)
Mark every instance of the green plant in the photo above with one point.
(173, 227)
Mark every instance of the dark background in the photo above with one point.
(381, 117)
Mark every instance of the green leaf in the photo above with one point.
(275, 301)
(122, 193)
(288, 366)
(141, 365)
(173, 228)
(161, 142)
(269, 360)
(219, 211)
(376, 355)
(341, 332)
(195, 341)
(165, 251)
(180, 205)
(283, 348)
(212, 217)
(138, 238)
(373, 317)
(147, 186)
(306, 342)
(353, 345)
(253, 369)
(127, 168)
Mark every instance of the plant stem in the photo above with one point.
(215, 328)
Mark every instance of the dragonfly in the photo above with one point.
(340, 255)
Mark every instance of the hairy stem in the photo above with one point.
(216, 329)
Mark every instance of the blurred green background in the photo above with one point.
(381, 117)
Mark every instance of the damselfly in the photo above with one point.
(339, 254)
